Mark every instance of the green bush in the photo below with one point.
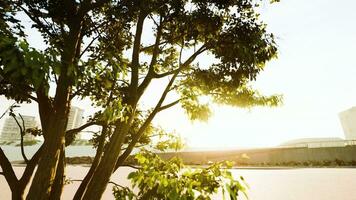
(171, 180)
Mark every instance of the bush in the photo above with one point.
(171, 180)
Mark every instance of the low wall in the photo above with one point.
(274, 156)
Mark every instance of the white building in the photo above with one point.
(75, 118)
(11, 130)
(348, 123)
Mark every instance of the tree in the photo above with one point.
(96, 49)
(16, 185)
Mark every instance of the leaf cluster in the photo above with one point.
(171, 180)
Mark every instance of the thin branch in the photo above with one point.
(135, 54)
(70, 133)
(31, 165)
(180, 53)
(132, 166)
(118, 185)
(157, 108)
(165, 74)
(94, 132)
(7, 110)
(76, 130)
(36, 20)
(88, 46)
(151, 72)
(23, 132)
(169, 105)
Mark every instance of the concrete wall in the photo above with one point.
(270, 155)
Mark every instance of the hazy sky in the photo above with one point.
(315, 72)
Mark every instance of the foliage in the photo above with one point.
(171, 180)
(96, 49)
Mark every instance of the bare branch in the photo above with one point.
(88, 46)
(135, 54)
(37, 21)
(157, 108)
(168, 105)
(30, 167)
(8, 171)
(165, 74)
(118, 185)
(151, 72)
(132, 166)
(12, 105)
(71, 133)
(22, 133)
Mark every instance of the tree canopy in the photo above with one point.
(102, 50)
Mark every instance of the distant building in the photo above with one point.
(11, 130)
(315, 142)
(75, 119)
(348, 123)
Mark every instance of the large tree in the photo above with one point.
(99, 49)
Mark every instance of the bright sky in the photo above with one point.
(315, 72)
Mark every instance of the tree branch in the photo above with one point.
(132, 166)
(88, 46)
(157, 108)
(71, 133)
(8, 171)
(151, 72)
(23, 132)
(31, 164)
(165, 74)
(10, 107)
(135, 55)
(118, 185)
(37, 21)
(169, 105)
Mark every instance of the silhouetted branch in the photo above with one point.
(71, 133)
(168, 105)
(132, 166)
(22, 133)
(88, 46)
(118, 185)
(7, 110)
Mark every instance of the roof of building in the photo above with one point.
(348, 110)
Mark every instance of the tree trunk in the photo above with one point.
(17, 194)
(102, 174)
(57, 187)
(47, 167)
(79, 194)
(57, 111)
